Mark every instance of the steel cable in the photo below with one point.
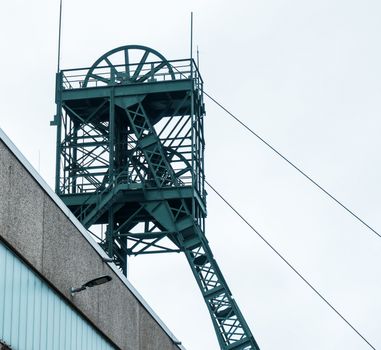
(289, 264)
(267, 242)
(293, 165)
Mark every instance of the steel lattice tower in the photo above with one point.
(130, 166)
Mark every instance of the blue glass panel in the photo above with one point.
(33, 316)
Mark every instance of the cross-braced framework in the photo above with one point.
(130, 165)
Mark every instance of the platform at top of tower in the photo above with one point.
(164, 84)
(130, 66)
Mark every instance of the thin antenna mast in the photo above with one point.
(59, 39)
(191, 37)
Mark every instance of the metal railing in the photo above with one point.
(135, 73)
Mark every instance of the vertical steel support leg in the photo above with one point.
(110, 234)
(111, 136)
(58, 123)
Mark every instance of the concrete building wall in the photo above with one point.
(37, 225)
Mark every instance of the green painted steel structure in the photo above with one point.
(130, 166)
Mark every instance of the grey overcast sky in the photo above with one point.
(306, 75)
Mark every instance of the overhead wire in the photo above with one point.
(293, 165)
(288, 263)
(265, 240)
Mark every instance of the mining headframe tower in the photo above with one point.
(130, 166)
